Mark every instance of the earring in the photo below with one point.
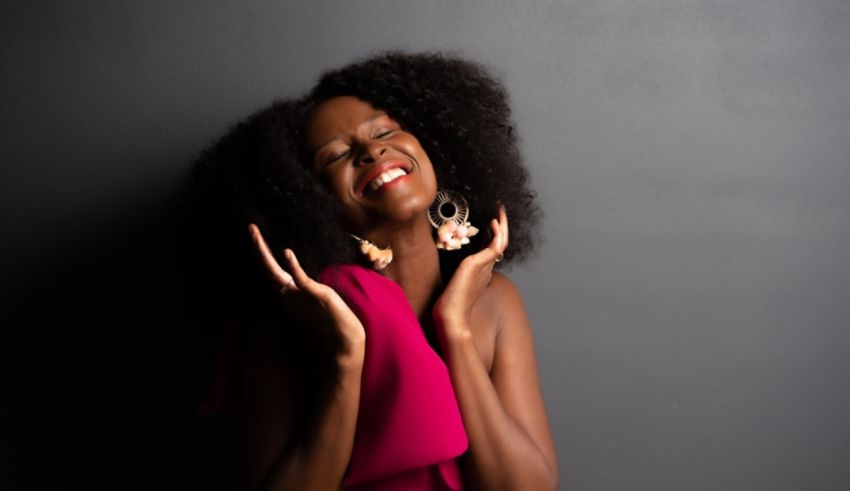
(379, 257)
(448, 214)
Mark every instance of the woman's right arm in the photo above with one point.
(321, 461)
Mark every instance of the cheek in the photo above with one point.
(427, 168)
(412, 147)
(337, 181)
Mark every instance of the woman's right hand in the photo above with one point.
(312, 302)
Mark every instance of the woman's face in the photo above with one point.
(377, 169)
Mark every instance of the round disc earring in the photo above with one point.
(448, 214)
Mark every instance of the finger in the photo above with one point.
(494, 249)
(325, 294)
(500, 234)
(503, 230)
(503, 219)
(279, 274)
(302, 280)
(496, 243)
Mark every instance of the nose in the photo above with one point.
(371, 153)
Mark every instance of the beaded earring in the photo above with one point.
(379, 257)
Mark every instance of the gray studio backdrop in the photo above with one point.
(691, 302)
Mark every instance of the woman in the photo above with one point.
(338, 383)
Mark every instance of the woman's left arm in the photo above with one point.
(510, 442)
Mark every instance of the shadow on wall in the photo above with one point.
(105, 362)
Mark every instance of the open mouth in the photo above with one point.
(385, 178)
(380, 177)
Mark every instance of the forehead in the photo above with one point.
(337, 115)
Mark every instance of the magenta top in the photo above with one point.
(409, 430)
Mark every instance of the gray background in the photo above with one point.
(691, 303)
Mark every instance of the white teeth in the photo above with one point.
(386, 177)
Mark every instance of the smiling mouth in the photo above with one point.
(379, 177)
(384, 178)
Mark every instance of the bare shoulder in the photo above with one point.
(503, 298)
(502, 285)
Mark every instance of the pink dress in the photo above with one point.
(409, 430)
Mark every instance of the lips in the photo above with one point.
(377, 170)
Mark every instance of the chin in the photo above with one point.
(404, 209)
(407, 209)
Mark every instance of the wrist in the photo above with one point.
(352, 357)
(453, 331)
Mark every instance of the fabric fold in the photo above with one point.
(409, 431)
(408, 416)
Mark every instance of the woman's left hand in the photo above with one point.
(453, 309)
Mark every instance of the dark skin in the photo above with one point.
(477, 318)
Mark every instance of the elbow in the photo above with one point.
(553, 480)
(547, 478)
(552, 475)
(547, 481)
(544, 479)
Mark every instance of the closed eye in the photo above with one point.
(333, 158)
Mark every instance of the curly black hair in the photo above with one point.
(259, 171)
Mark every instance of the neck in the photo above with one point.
(415, 265)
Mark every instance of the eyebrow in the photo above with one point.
(371, 118)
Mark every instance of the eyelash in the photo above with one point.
(334, 158)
